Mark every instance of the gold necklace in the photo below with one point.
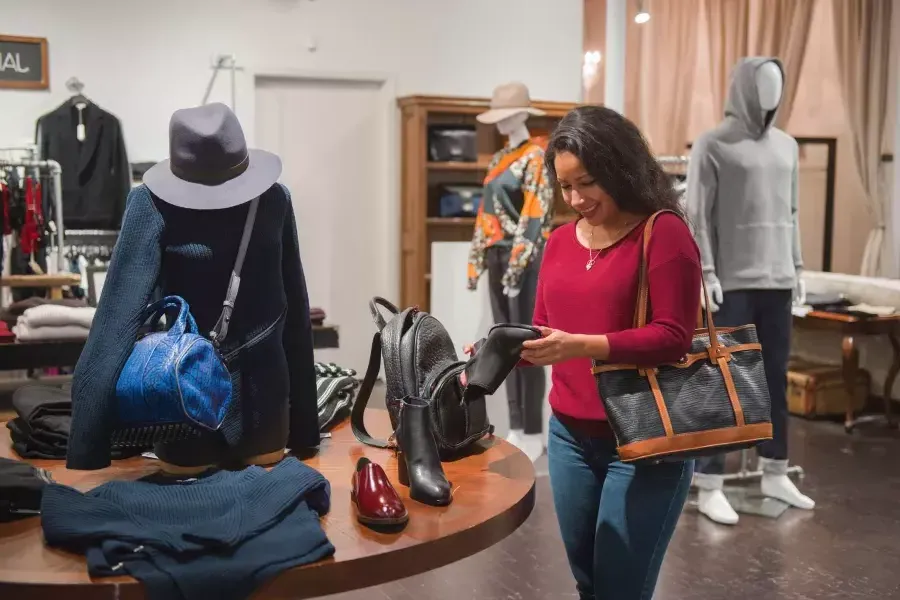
(592, 258)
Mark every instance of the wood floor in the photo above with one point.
(847, 548)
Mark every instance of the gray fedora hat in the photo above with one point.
(209, 166)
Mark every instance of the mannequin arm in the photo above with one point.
(476, 253)
(535, 220)
(795, 215)
(298, 340)
(700, 203)
(130, 281)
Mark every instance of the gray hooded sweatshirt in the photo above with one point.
(742, 193)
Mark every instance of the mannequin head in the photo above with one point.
(513, 127)
(512, 123)
(769, 86)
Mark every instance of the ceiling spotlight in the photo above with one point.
(642, 15)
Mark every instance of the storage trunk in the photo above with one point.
(817, 390)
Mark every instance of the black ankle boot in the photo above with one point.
(420, 464)
(496, 356)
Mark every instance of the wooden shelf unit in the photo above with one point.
(421, 181)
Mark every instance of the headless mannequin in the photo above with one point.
(515, 129)
(775, 482)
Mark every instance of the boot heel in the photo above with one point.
(402, 470)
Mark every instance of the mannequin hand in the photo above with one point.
(511, 292)
(554, 346)
(715, 294)
(799, 291)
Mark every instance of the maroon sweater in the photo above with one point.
(602, 301)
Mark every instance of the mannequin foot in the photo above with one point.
(776, 484)
(532, 445)
(265, 460)
(715, 506)
(711, 500)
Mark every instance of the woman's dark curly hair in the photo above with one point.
(616, 156)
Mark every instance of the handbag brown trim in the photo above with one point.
(684, 363)
(716, 354)
(687, 442)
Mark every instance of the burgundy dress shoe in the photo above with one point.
(376, 500)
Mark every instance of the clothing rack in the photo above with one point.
(56, 173)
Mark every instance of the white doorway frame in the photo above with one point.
(390, 160)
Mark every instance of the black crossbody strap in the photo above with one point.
(220, 331)
(357, 414)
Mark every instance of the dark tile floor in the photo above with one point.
(848, 548)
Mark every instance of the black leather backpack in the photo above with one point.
(420, 361)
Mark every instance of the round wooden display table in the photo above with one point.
(493, 495)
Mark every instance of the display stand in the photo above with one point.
(493, 495)
(750, 501)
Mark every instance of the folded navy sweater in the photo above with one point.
(213, 537)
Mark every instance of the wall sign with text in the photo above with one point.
(24, 63)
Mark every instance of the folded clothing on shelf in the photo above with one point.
(24, 333)
(11, 313)
(52, 315)
(21, 487)
(41, 429)
(218, 535)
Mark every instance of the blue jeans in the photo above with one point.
(616, 519)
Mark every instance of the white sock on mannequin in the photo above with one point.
(532, 445)
(776, 484)
(711, 500)
(514, 437)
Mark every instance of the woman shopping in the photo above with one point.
(616, 519)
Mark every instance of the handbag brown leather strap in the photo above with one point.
(718, 354)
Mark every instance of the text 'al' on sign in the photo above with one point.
(24, 63)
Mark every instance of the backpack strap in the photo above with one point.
(357, 414)
(217, 335)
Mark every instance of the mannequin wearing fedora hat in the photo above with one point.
(512, 225)
(180, 236)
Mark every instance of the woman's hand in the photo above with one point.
(553, 347)
(468, 350)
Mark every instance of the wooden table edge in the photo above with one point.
(331, 576)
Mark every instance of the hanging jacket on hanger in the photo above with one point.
(96, 176)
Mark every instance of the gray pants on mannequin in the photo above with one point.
(770, 312)
(525, 386)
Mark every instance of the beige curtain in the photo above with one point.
(739, 28)
(862, 31)
(660, 64)
(728, 23)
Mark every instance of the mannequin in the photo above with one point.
(742, 200)
(513, 222)
(180, 236)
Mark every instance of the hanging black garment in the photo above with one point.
(96, 176)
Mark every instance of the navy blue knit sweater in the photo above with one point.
(215, 537)
(190, 253)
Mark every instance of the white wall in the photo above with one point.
(142, 60)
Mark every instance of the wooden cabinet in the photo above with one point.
(423, 180)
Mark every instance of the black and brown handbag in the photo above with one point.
(715, 399)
